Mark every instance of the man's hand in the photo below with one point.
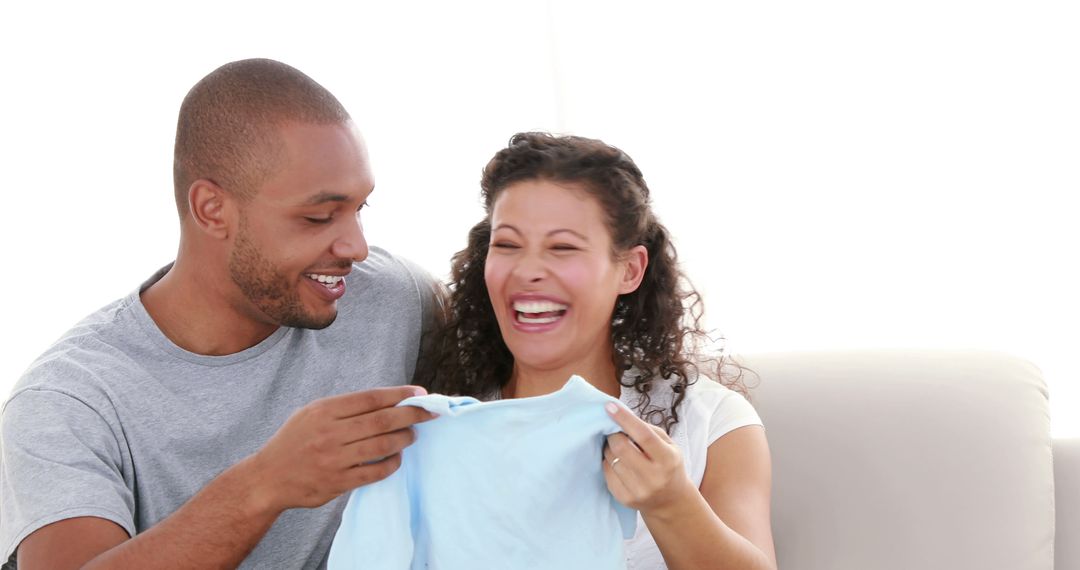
(335, 444)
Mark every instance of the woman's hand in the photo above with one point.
(644, 468)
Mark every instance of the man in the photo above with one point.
(211, 418)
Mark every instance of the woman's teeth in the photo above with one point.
(539, 312)
(536, 321)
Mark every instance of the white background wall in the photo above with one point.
(837, 173)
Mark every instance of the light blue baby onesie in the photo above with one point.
(509, 484)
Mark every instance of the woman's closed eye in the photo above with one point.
(504, 245)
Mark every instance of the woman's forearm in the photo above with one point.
(692, 537)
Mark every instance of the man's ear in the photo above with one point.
(210, 207)
(635, 261)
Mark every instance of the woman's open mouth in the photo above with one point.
(538, 312)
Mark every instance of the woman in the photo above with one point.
(571, 273)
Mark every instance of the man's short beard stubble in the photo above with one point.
(266, 287)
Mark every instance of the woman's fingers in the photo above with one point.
(612, 475)
(623, 449)
(642, 434)
(642, 466)
(662, 434)
(627, 463)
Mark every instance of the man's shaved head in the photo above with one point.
(227, 130)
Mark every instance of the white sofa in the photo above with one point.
(889, 460)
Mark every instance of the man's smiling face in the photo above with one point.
(300, 233)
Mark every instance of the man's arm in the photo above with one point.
(69, 543)
(325, 449)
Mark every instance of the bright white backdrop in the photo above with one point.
(837, 173)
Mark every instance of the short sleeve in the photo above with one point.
(732, 412)
(59, 459)
(433, 296)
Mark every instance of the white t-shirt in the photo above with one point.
(709, 411)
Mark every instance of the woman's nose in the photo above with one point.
(530, 268)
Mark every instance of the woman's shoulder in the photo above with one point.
(705, 391)
(709, 406)
(722, 409)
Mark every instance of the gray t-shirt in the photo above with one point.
(117, 422)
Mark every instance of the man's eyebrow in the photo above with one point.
(323, 197)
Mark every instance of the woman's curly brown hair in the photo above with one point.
(655, 330)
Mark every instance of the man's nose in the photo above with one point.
(351, 244)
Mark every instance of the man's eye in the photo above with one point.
(318, 220)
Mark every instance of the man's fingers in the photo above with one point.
(357, 403)
(373, 449)
(382, 421)
(367, 473)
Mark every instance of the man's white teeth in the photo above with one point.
(330, 280)
(534, 307)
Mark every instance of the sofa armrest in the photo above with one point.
(1067, 503)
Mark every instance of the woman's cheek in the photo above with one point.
(494, 273)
